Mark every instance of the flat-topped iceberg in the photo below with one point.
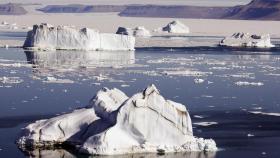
(139, 31)
(241, 39)
(175, 27)
(47, 37)
(115, 124)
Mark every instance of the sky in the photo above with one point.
(179, 2)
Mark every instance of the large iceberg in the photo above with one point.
(175, 27)
(241, 39)
(47, 37)
(139, 31)
(115, 124)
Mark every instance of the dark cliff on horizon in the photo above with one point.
(255, 10)
(12, 9)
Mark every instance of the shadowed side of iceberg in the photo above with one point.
(143, 123)
(47, 37)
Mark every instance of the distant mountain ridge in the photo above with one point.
(12, 9)
(255, 10)
(80, 8)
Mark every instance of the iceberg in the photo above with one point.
(48, 37)
(241, 39)
(115, 124)
(176, 27)
(139, 31)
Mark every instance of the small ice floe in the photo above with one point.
(243, 75)
(264, 113)
(198, 116)
(250, 135)
(205, 123)
(219, 68)
(51, 79)
(13, 72)
(273, 74)
(257, 108)
(101, 77)
(24, 101)
(245, 83)
(186, 72)
(198, 80)
(17, 65)
(124, 85)
(206, 96)
(10, 80)
(239, 75)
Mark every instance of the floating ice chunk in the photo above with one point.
(219, 68)
(205, 123)
(186, 72)
(139, 31)
(247, 40)
(241, 83)
(198, 116)
(198, 80)
(250, 135)
(51, 79)
(124, 85)
(115, 124)
(265, 113)
(10, 80)
(206, 96)
(47, 37)
(176, 27)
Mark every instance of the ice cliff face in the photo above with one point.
(47, 37)
(247, 40)
(176, 27)
(115, 124)
(139, 31)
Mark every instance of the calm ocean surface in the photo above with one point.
(237, 93)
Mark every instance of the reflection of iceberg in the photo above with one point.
(61, 153)
(78, 59)
(261, 57)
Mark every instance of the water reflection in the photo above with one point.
(61, 153)
(79, 59)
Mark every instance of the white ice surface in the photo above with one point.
(115, 124)
(240, 39)
(175, 27)
(47, 37)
